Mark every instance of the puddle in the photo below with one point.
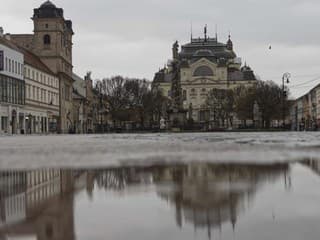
(183, 201)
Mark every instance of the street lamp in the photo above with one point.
(285, 79)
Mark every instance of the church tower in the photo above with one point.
(52, 42)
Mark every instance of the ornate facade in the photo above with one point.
(204, 64)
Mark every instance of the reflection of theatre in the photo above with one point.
(34, 204)
(209, 196)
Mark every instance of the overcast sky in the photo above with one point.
(134, 38)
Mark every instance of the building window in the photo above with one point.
(203, 71)
(47, 25)
(184, 94)
(67, 93)
(4, 123)
(46, 40)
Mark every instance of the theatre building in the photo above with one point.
(203, 64)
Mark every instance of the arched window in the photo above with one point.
(203, 71)
(46, 39)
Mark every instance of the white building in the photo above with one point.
(42, 96)
(12, 88)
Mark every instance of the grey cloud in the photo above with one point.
(134, 37)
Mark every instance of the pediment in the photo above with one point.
(203, 61)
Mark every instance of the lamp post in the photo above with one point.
(285, 79)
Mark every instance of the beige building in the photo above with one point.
(52, 43)
(204, 64)
(41, 96)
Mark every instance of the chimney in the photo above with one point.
(1, 31)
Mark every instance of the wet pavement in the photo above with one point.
(195, 200)
(117, 150)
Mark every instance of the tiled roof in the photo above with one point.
(29, 57)
(9, 44)
(34, 61)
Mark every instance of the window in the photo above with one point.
(203, 71)
(46, 40)
(184, 94)
(4, 123)
(67, 93)
(12, 90)
(47, 25)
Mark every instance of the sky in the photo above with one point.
(134, 38)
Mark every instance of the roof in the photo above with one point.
(47, 4)
(206, 47)
(35, 61)
(48, 10)
(245, 74)
(9, 44)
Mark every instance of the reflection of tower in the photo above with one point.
(67, 181)
(90, 183)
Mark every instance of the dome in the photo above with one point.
(48, 4)
(48, 10)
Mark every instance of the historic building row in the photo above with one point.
(39, 93)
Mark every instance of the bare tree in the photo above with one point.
(220, 103)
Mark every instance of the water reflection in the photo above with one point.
(39, 204)
(210, 195)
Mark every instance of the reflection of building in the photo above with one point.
(34, 204)
(204, 64)
(314, 164)
(205, 195)
(11, 87)
(12, 197)
(209, 195)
